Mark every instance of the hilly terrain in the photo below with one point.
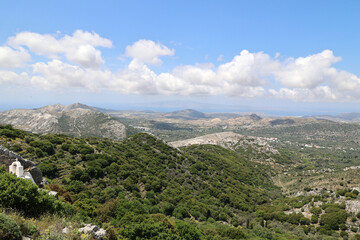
(142, 188)
(189, 175)
(75, 120)
(256, 149)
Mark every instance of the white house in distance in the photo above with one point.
(17, 169)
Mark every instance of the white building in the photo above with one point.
(17, 169)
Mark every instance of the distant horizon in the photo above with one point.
(281, 113)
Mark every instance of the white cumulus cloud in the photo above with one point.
(242, 77)
(148, 51)
(75, 62)
(306, 72)
(320, 93)
(78, 48)
(56, 74)
(12, 78)
(13, 58)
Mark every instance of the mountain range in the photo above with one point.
(76, 120)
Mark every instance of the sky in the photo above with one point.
(274, 57)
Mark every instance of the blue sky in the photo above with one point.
(283, 57)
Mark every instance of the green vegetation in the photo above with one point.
(141, 188)
(25, 197)
(8, 228)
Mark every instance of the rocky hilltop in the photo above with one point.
(229, 140)
(76, 119)
(224, 139)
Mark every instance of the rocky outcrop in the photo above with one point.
(36, 175)
(353, 206)
(98, 233)
(224, 139)
(76, 119)
(229, 140)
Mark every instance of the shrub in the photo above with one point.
(180, 213)
(332, 219)
(25, 197)
(344, 234)
(189, 232)
(314, 219)
(233, 233)
(11, 133)
(49, 170)
(44, 145)
(350, 195)
(315, 210)
(9, 230)
(304, 221)
(357, 236)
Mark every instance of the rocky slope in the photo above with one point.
(259, 146)
(75, 119)
(224, 139)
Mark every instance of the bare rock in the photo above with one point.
(352, 206)
(36, 175)
(66, 230)
(100, 234)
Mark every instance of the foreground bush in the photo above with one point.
(25, 197)
(9, 230)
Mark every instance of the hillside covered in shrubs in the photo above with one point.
(141, 188)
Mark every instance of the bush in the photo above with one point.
(180, 213)
(23, 196)
(314, 219)
(151, 229)
(11, 133)
(344, 235)
(350, 195)
(315, 210)
(233, 233)
(9, 230)
(189, 232)
(49, 170)
(357, 236)
(44, 145)
(332, 219)
(304, 221)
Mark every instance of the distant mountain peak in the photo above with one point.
(79, 105)
(255, 117)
